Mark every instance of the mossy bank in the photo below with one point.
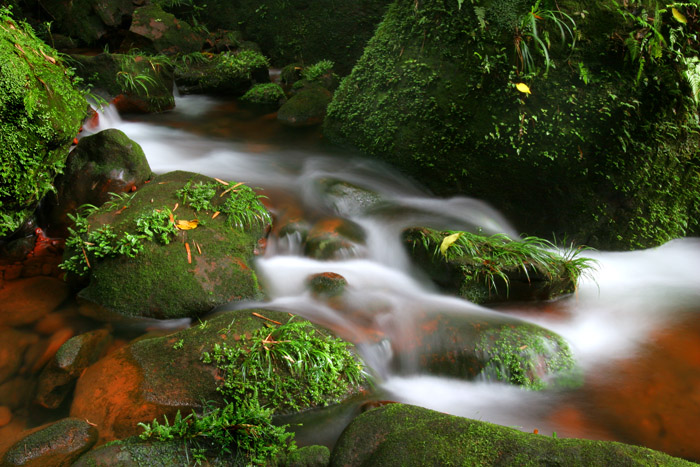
(603, 148)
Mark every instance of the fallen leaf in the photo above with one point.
(522, 87)
(678, 16)
(189, 253)
(176, 206)
(187, 225)
(215, 214)
(448, 241)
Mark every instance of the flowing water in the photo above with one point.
(633, 325)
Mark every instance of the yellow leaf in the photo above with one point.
(678, 16)
(187, 225)
(522, 87)
(448, 241)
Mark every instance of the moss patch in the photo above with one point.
(40, 114)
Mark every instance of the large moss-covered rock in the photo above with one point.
(152, 378)
(155, 30)
(176, 273)
(602, 150)
(40, 114)
(405, 435)
(309, 31)
(305, 108)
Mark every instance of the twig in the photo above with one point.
(258, 315)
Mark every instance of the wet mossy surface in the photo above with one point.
(405, 435)
(197, 270)
(609, 160)
(40, 114)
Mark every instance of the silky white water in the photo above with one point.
(627, 297)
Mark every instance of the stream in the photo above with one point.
(633, 325)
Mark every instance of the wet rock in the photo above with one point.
(152, 378)
(346, 198)
(326, 285)
(17, 392)
(55, 444)
(334, 238)
(135, 452)
(72, 358)
(491, 348)
(5, 415)
(497, 273)
(306, 108)
(154, 30)
(26, 301)
(13, 345)
(166, 280)
(399, 434)
(265, 95)
(43, 351)
(103, 163)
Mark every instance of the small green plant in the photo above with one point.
(265, 93)
(243, 431)
(286, 365)
(199, 195)
(317, 70)
(179, 344)
(157, 226)
(139, 72)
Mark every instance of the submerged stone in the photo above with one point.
(405, 435)
(305, 108)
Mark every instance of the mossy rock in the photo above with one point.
(157, 31)
(498, 273)
(102, 164)
(167, 280)
(156, 377)
(495, 348)
(90, 21)
(305, 108)
(593, 154)
(226, 73)
(405, 435)
(40, 114)
(139, 82)
(265, 94)
(310, 31)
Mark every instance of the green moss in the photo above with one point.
(398, 434)
(224, 73)
(40, 114)
(434, 95)
(265, 94)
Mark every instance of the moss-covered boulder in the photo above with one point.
(266, 95)
(309, 31)
(40, 114)
(226, 73)
(164, 252)
(102, 164)
(157, 31)
(405, 435)
(594, 143)
(485, 269)
(136, 82)
(223, 359)
(485, 347)
(305, 108)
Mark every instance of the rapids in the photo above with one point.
(616, 317)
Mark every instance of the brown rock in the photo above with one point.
(55, 444)
(72, 358)
(5, 415)
(13, 345)
(28, 300)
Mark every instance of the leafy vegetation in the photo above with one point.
(40, 114)
(286, 365)
(140, 73)
(264, 93)
(317, 70)
(242, 206)
(244, 431)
